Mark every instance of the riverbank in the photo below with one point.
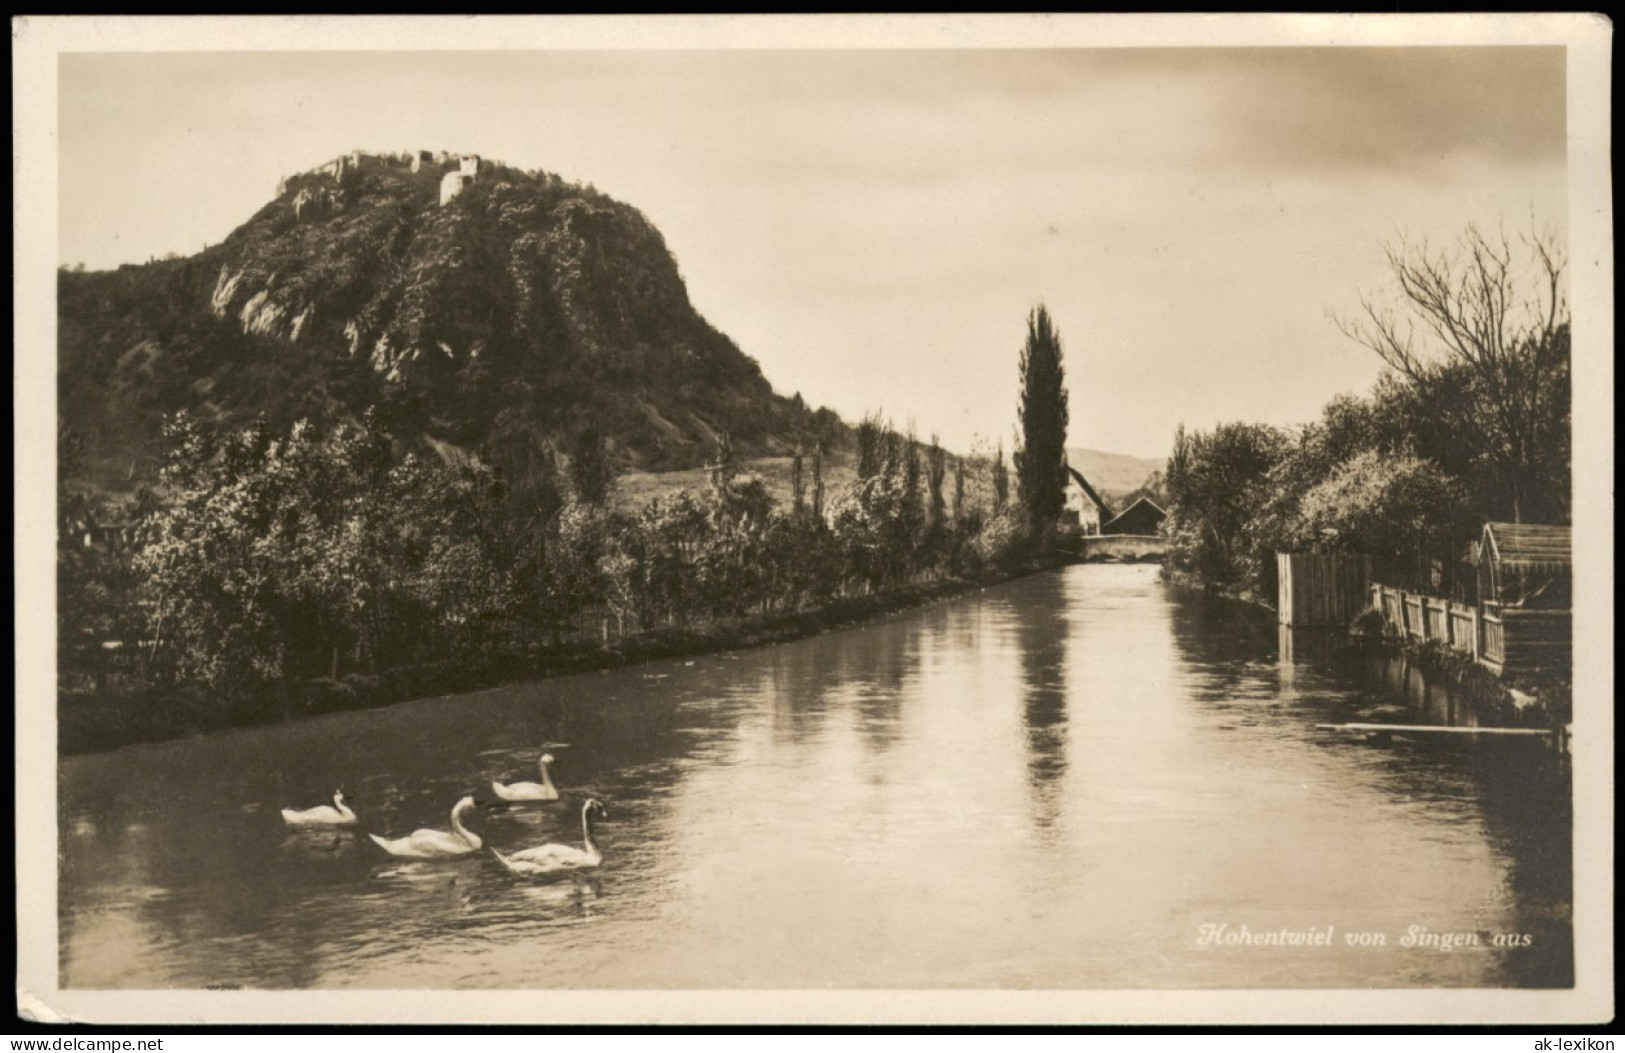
(96, 724)
(1545, 702)
(1194, 584)
(1512, 702)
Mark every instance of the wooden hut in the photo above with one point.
(1141, 517)
(1525, 588)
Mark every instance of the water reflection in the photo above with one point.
(1510, 788)
(1041, 633)
(880, 660)
(795, 689)
(1052, 783)
(1303, 646)
(1529, 817)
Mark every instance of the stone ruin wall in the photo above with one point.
(452, 183)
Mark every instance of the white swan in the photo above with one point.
(559, 859)
(336, 814)
(435, 844)
(529, 791)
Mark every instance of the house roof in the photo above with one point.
(1527, 543)
(1105, 509)
(1142, 501)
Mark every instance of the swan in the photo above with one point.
(530, 791)
(336, 814)
(559, 859)
(435, 844)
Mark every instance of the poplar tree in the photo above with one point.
(959, 491)
(1001, 481)
(936, 472)
(872, 446)
(1042, 456)
(592, 471)
(818, 484)
(798, 485)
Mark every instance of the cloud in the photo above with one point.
(880, 221)
(1392, 109)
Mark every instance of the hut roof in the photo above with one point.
(1105, 509)
(1528, 543)
(1161, 515)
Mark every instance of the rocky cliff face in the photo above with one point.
(502, 322)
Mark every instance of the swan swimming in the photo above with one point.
(336, 814)
(435, 844)
(560, 859)
(530, 791)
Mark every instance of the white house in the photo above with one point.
(1083, 506)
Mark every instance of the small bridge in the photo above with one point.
(1122, 548)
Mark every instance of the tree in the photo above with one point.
(936, 472)
(960, 511)
(1349, 427)
(277, 553)
(1042, 456)
(721, 471)
(1480, 332)
(1216, 485)
(818, 483)
(798, 485)
(592, 473)
(871, 441)
(1001, 481)
(894, 453)
(1395, 508)
(913, 508)
(1177, 476)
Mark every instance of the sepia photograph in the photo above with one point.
(970, 519)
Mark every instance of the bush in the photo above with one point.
(367, 690)
(324, 695)
(1369, 622)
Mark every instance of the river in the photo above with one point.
(1075, 780)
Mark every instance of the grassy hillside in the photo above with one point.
(1113, 474)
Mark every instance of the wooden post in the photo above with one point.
(1283, 588)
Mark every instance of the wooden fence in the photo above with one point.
(1422, 617)
(1463, 625)
(1502, 639)
(1321, 590)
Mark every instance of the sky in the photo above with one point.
(874, 226)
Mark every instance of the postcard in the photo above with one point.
(794, 519)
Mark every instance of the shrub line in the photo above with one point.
(96, 725)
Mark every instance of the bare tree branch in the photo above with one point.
(1490, 310)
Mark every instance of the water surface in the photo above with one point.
(1055, 783)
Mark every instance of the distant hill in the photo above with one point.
(471, 308)
(1113, 474)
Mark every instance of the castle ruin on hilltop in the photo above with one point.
(453, 183)
(464, 170)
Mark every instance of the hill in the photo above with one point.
(470, 307)
(1113, 474)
